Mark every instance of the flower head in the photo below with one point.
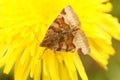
(23, 25)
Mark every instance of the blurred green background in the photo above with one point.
(93, 70)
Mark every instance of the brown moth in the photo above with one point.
(65, 34)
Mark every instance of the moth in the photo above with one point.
(65, 34)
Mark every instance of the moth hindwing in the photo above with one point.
(65, 34)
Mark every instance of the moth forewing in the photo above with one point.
(71, 17)
(65, 34)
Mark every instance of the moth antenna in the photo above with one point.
(43, 53)
(35, 35)
(38, 42)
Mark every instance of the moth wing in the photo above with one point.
(64, 34)
(50, 40)
(80, 41)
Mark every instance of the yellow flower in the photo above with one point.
(23, 24)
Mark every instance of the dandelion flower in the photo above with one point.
(24, 23)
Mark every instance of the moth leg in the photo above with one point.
(55, 52)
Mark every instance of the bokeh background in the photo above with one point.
(93, 70)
